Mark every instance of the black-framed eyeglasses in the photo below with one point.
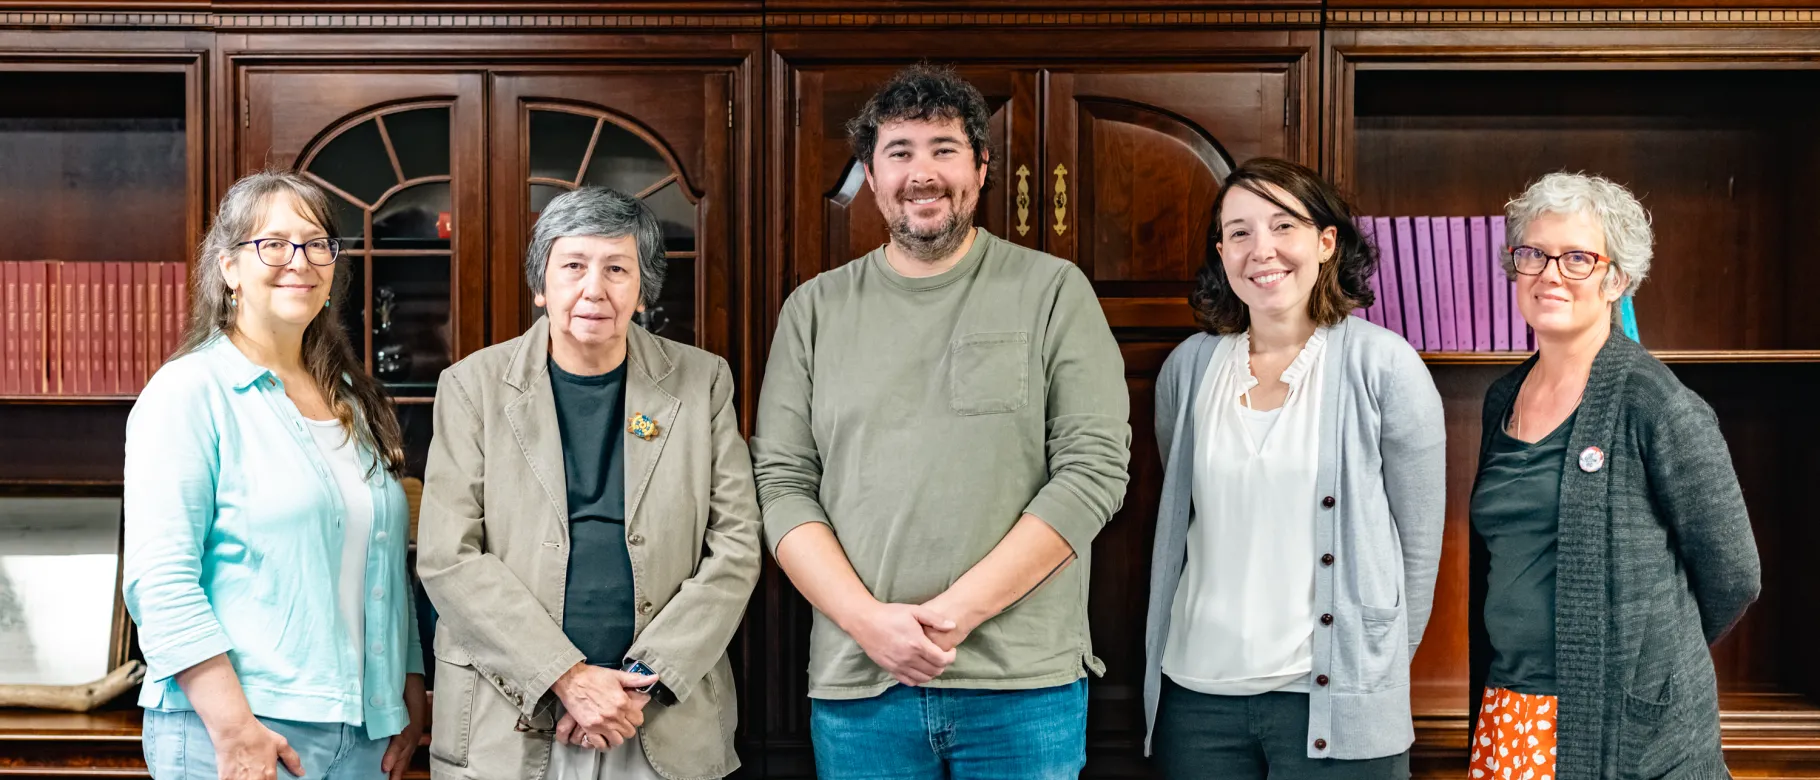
(1576, 264)
(277, 252)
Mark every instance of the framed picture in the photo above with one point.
(62, 619)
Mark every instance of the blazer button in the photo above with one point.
(645, 608)
(1327, 502)
(1321, 681)
(1320, 744)
(635, 540)
(1327, 620)
(1327, 560)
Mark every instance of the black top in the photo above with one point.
(597, 612)
(1515, 509)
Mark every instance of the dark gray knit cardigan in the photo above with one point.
(1656, 561)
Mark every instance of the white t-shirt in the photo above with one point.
(343, 456)
(1243, 618)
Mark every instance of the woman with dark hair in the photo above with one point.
(1299, 530)
(265, 525)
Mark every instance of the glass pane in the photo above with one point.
(558, 141)
(541, 195)
(357, 163)
(624, 162)
(677, 215)
(409, 219)
(410, 323)
(350, 222)
(58, 558)
(353, 299)
(674, 315)
(421, 139)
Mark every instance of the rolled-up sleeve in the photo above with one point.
(1088, 424)
(169, 502)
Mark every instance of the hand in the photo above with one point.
(601, 705)
(398, 752)
(962, 623)
(250, 751)
(892, 636)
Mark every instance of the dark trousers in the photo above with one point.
(1203, 737)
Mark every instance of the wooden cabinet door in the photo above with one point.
(833, 215)
(400, 156)
(660, 135)
(1132, 161)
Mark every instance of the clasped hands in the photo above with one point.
(915, 643)
(602, 707)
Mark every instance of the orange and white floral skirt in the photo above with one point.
(1514, 738)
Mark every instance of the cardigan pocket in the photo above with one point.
(989, 373)
(1381, 645)
(1642, 752)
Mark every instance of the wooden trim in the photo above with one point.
(324, 21)
(1601, 17)
(1664, 355)
(1101, 19)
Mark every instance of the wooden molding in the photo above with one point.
(1012, 19)
(323, 21)
(1599, 17)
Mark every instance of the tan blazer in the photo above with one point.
(493, 553)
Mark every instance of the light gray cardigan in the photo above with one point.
(1380, 493)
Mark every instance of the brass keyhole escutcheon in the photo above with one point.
(1061, 199)
(1023, 200)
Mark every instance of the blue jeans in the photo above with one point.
(952, 734)
(177, 747)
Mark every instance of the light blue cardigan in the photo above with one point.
(1384, 464)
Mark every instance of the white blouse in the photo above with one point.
(343, 457)
(1243, 618)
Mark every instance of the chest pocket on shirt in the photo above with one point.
(989, 373)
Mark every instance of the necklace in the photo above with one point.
(1517, 421)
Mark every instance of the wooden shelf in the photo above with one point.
(1664, 355)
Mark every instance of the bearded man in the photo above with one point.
(942, 432)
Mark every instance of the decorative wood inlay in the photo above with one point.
(339, 21)
(90, 19)
(1151, 18)
(1584, 16)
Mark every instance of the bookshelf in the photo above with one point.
(1720, 156)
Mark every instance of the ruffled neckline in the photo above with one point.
(1294, 376)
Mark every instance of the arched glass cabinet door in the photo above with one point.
(663, 136)
(574, 146)
(387, 172)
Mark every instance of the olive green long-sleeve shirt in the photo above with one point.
(920, 418)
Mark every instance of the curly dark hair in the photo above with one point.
(923, 92)
(1344, 283)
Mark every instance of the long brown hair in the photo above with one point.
(356, 399)
(1342, 284)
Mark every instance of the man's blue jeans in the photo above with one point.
(952, 734)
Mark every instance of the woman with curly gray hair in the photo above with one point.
(1611, 544)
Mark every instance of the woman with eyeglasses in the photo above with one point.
(1611, 544)
(265, 524)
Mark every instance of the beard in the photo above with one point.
(934, 243)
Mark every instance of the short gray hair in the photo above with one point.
(1629, 241)
(608, 213)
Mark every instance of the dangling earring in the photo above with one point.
(233, 298)
(325, 303)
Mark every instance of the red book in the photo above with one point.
(97, 333)
(171, 271)
(9, 328)
(66, 327)
(110, 286)
(33, 362)
(183, 302)
(154, 320)
(139, 330)
(77, 333)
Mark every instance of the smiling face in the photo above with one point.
(1272, 256)
(1553, 304)
(591, 290)
(284, 298)
(927, 184)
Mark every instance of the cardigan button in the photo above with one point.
(1327, 503)
(1320, 744)
(1327, 560)
(1327, 620)
(1321, 681)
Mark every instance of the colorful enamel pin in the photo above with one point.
(642, 426)
(1592, 459)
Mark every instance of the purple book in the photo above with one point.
(1428, 281)
(1443, 248)
(1390, 307)
(1496, 302)
(1462, 284)
(1370, 313)
(1519, 327)
(1411, 284)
